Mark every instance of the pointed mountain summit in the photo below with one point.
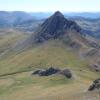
(54, 27)
(58, 13)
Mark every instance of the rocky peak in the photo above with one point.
(54, 27)
(58, 13)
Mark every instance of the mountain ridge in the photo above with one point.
(55, 26)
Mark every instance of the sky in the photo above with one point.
(50, 5)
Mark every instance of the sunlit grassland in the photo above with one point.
(25, 86)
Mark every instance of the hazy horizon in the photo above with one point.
(50, 5)
(70, 12)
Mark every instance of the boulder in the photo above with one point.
(91, 87)
(67, 73)
(95, 85)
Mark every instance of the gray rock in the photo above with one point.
(95, 85)
(67, 73)
(95, 67)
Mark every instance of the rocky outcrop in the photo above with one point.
(50, 71)
(47, 72)
(95, 67)
(54, 27)
(95, 85)
(66, 72)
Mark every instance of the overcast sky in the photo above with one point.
(50, 5)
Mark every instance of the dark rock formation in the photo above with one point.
(47, 72)
(54, 27)
(95, 67)
(95, 85)
(42, 73)
(50, 71)
(67, 73)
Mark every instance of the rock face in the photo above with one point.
(54, 27)
(67, 73)
(95, 85)
(50, 71)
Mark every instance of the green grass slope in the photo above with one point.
(17, 82)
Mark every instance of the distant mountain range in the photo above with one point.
(17, 19)
(84, 14)
(90, 26)
(91, 15)
(29, 22)
(12, 18)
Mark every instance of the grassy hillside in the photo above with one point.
(21, 85)
(8, 37)
(52, 53)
